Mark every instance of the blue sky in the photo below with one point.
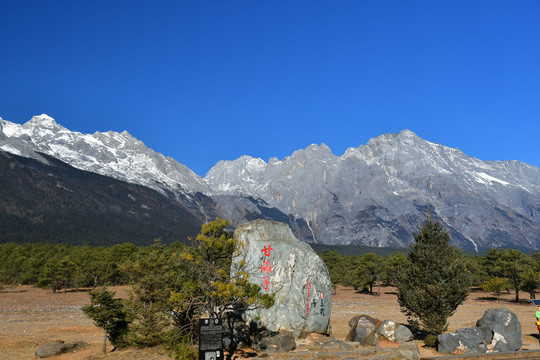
(203, 81)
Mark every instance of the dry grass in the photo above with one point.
(30, 317)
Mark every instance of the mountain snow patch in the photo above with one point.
(484, 178)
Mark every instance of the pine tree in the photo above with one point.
(108, 313)
(210, 289)
(435, 282)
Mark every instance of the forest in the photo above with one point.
(62, 266)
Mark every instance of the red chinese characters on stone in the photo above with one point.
(265, 283)
(266, 250)
(308, 294)
(266, 267)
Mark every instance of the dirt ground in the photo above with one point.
(30, 317)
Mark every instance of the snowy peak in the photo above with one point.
(42, 125)
(43, 120)
(246, 171)
(118, 155)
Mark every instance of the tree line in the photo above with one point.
(497, 271)
(62, 266)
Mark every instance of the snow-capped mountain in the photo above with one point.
(118, 155)
(377, 194)
(123, 157)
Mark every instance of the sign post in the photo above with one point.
(210, 339)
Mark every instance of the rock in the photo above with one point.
(409, 350)
(364, 330)
(394, 332)
(505, 327)
(497, 330)
(236, 333)
(403, 334)
(387, 329)
(276, 342)
(292, 271)
(55, 348)
(464, 341)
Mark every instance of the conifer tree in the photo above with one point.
(108, 313)
(435, 281)
(210, 289)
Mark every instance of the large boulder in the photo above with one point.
(505, 327)
(498, 330)
(364, 330)
(289, 269)
(464, 341)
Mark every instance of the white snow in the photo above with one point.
(10, 128)
(484, 178)
(138, 164)
(10, 149)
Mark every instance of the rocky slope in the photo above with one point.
(374, 195)
(50, 191)
(377, 194)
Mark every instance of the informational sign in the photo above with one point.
(210, 339)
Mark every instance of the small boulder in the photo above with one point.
(403, 334)
(505, 327)
(55, 348)
(388, 330)
(282, 341)
(409, 350)
(364, 330)
(395, 332)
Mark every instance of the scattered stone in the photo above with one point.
(387, 329)
(338, 344)
(364, 330)
(505, 327)
(282, 341)
(403, 334)
(395, 332)
(55, 348)
(281, 265)
(409, 350)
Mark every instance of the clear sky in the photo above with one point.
(203, 81)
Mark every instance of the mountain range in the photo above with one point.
(375, 195)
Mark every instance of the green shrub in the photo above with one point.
(431, 341)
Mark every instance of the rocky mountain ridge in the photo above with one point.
(120, 157)
(375, 194)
